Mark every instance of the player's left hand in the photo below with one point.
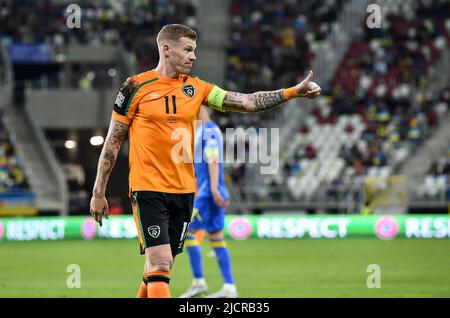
(219, 200)
(308, 88)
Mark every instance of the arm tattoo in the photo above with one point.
(235, 102)
(116, 134)
(264, 101)
(253, 103)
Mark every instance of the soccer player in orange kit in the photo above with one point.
(153, 107)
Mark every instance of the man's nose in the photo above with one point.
(193, 57)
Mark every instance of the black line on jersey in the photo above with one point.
(166, 98)
(174, 104)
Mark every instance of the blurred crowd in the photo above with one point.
(12, 173)
(270, 45)
(134, 24)
(131, 23)
(269, 41)
(378, 109)
(441, 165)
(436, 184)
(381, 104)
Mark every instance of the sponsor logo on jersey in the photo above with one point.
(154, 95)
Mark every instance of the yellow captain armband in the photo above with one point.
(216, 97)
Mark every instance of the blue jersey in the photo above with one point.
(208, 141)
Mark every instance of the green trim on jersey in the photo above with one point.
(138, 210)
(216, 97)
(135, 91)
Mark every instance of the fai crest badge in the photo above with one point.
(154, 231)
(188, 90)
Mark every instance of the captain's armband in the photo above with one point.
(216, 97)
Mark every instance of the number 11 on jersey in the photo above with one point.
(174, 104)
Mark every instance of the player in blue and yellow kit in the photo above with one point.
(209, 208)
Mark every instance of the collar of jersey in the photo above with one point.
(181, 78)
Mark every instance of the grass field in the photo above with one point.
(262, 268)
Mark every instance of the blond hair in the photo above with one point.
(174, 32)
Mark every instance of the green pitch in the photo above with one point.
(262, 268)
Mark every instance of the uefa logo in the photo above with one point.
(240, 228)
(88, 229)
(386, 228)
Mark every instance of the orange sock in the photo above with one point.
(158, 290)
(158, 284)
(142, 292)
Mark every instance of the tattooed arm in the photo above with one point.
(252, 103)
(116, 134)
(264, 101)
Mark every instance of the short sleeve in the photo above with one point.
(126, 102)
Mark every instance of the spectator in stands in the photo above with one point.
(384, 78)
(105, 22)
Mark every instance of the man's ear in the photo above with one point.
(165, 49)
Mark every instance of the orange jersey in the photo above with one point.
(161, 113)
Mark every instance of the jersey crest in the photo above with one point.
(154, 231)
(188, 90)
